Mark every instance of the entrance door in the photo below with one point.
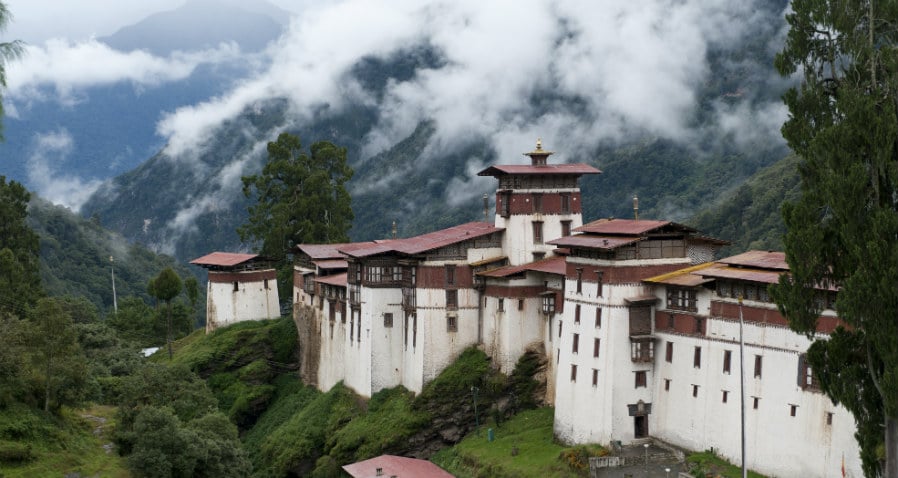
(641, 426)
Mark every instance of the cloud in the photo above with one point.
(50, 151)
(68, 67)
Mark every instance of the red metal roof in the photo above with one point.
(552, 265)
(329, 251)
(753, 275)
(549, 169)
(399, 466)
(426, 242)
(761, 259)
(223, 259)
(332, 264)
(626, 226)
(336, 279)
(594, 242)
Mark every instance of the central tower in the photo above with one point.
(537, 202)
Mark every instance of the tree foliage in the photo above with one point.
(165, 287)
(300, 198)
(8, 51)
(843, 229)
(53, 343)
(20, 283)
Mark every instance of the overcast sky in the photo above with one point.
(35, 21)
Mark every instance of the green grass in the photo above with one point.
(530, 432)
(59, 445)
(708, 463)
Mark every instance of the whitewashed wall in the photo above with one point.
(251, 301)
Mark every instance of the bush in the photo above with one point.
(15, 453)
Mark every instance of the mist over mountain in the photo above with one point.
(81, 112)
(203, 24)
(676, 103)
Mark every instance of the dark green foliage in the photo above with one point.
(842, 229)
(300, 198)
(55, 353)
(74, 258)
(173, 386)
(295, 446)
(165, 287)
(20, 285)
(204, 447)
(526, 389)
(750, 216)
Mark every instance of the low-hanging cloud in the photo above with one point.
(50, 150)
(66, 68)
(577, 74)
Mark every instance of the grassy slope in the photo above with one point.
(530, 432)
(71, 443)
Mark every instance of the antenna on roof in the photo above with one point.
(636, 207)
(394, 229)
(486, 207)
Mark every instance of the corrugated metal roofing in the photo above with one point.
(399, 466)
(594, 242)
(336, 279)
(223, 259)
(626, 226)
(687, 277)
(549, 169)
(761, 259)
(753, 275)
(427, 242)
(322, 251)
(552, 265)
(332, 264)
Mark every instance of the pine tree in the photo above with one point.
(843, 230)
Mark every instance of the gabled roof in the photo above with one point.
(223, 259)
(324, 251)
(336, 279)
(594, 242)
(332, 264)
(399, 466)
(549, 169)
(552, 265)
(760, 259)
(426, 242)
(628, 226)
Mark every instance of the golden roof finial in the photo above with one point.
(539, 144)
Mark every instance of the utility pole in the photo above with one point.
(114, 298)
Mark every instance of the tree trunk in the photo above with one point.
(47, 386)
(891, 446)
(168, 332)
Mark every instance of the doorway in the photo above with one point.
(641, 426)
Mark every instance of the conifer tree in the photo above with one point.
(842, 232)
(300, 198)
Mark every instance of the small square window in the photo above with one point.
(666, 384)
(793, 410)
(501, 307)
(598, 316)
(595, 377)
(595, 348)
(668, 353)
(520, 304)
(573, 373)
(388, 319)
(695, 390)
(577, 314)
(727, 356)
(640, 379)
(725, 394)
(829, 418)
(758, 362)
(576, 345)
(697, 358)
(754, 402)
(451, 323)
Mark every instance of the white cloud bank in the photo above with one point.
(50, 150)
